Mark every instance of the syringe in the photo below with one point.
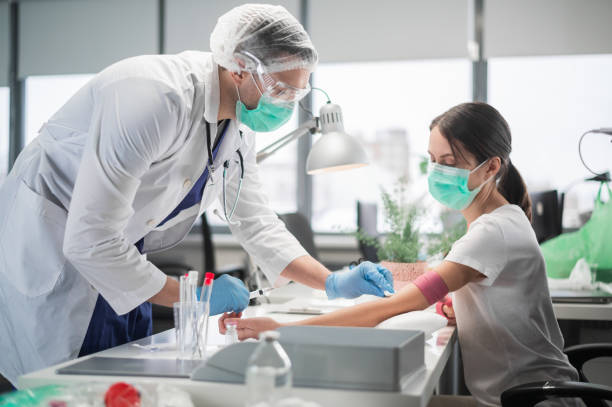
(260, 292)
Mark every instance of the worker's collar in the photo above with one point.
(211, 92)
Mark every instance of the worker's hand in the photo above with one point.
(366, 278)
(229, 294)
(248, 327)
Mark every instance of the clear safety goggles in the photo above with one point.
(275, 89)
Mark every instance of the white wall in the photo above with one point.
(4, 43)
(547, 27)
(83, 36)
(366, 30)
(190, 22)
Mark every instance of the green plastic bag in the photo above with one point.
(561, 254)
(30, 397)
(593, 242)
(597, 233)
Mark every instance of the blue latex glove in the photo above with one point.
(366, 278)
(229, 294)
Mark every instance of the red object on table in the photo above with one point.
(122, 394)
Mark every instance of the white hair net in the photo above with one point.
(269, 33)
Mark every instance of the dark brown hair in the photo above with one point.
(481, 130)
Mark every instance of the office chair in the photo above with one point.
(300, 228)
(367, 223)
(210, 263)
(529, 394)
(546, 214)
(163, 317)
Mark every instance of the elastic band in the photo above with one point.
(432, 286)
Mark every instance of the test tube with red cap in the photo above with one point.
(207, 287)
(202, 328)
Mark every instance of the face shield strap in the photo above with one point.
(255, 82)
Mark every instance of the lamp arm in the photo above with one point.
(307, 127)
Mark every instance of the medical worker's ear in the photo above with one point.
(239, 77)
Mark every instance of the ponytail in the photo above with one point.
(513, 188)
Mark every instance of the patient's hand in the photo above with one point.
(224, 317)
(248, 327)
(445, 308)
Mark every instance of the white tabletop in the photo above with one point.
(416, 392)
(584, 312)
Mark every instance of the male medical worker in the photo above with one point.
(126, 166)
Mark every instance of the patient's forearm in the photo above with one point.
(372, 313)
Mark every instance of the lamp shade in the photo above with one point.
(335, 150)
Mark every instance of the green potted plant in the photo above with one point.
(404, 247)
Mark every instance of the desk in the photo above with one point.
(416, 392)
(583, 312)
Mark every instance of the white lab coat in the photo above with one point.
(107, 168)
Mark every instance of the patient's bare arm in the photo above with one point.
(368, 314)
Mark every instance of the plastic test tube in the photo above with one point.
(193, 283)
(193, 313)
(182, 315)
(202, 325)
(207, 289)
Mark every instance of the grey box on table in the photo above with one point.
(331, 357)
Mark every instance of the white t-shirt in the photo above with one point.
(508, 332)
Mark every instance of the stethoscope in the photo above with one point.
(211, 169)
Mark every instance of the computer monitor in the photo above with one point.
(367, 222)
(546, 214)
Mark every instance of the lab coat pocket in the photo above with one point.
(31, 243)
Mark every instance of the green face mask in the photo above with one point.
(449, 185)
(269, 114)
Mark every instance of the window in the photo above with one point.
(388, 107)
(278, 172)
(549, 102)
(4, 131)
(45, 95)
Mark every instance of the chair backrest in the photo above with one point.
(298, 226)
(593, 395)
(531, 394)
(367, 222)
(208, 249)
(546, 214)
(579, 355)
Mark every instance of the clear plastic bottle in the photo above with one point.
(268, 375)
(231, 333)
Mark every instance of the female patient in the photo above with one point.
(507, 330)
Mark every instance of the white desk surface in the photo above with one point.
(584, 312)
(416, 392)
